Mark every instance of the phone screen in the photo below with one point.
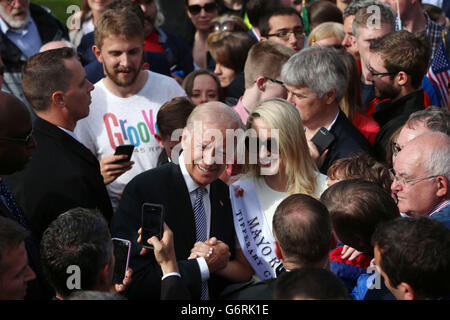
(122, 257)
(152, 222)
(124, 149)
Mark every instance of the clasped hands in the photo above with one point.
(215, 252)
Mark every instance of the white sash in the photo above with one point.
(252, 231)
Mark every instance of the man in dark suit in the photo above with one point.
(63, 174)
(16, 145)
(315, 80)
(197, 207)
(302, 231)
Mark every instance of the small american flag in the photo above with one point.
(439, 73)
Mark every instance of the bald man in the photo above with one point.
(16, 145)
(421, 177)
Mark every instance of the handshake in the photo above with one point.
(215, 252)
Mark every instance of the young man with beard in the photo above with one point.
(125, 103)
(397, 63)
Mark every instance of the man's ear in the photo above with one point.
(97, 53)
(403, 78)
(57, 98)
(261, 83)
(331, 96)
(104, 279)
(406, 290)
(159, 139)
(278, 251)
(442, 186)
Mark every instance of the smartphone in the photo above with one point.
(152, 222)
(323, 139)
(124, 149)
(121, 249)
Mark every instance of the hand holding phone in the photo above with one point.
(152, 223)
(322, 140)
(121, 249)
(126, 149)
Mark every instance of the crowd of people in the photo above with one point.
(296, 150)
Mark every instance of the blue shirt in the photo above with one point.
(27, 38)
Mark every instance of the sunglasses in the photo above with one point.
(210, 7)
(224, 26)
(270, 144)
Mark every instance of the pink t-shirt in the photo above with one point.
(241, 111)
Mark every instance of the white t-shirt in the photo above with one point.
(269, 199)
(114, 121)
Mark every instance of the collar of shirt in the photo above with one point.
(27, 38)
(70, 133)
(335, 118)
(439, 207)
(190, 183)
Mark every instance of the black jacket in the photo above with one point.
(165, 185)
(63, 174)
(49, 28)
(391, 116)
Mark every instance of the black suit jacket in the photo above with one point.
(63, 174)
(393, 115)
(39, 288)
(348, 140)
(165, 185)
(173, 288)
(252, 290)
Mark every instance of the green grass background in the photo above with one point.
(59, 7)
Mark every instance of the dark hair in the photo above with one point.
(356, 208)
(230, 48)
(361, 166)
(264, 26)
(323, 11)
(45, 73)
(404, 51)
(188, 82)
(173, 115)
(77, 237)
(95, 295)
(435, 118)
(415, 251)
(256, 8)
(310, 283)
(302, 227)
(12, 235)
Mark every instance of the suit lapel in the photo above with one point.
(183, 204)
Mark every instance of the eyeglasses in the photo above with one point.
(281, 83)
(396, 148)
(210, 7)
(285, 34)
(224, 26)
(374, 73)
(25, 140)
(404, 181)
(270, 144)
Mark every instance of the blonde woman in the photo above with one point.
(327, 34)
(278, 164)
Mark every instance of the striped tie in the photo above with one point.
(200, 230)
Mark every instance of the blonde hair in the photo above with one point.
(297, 163)
(326, 30)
